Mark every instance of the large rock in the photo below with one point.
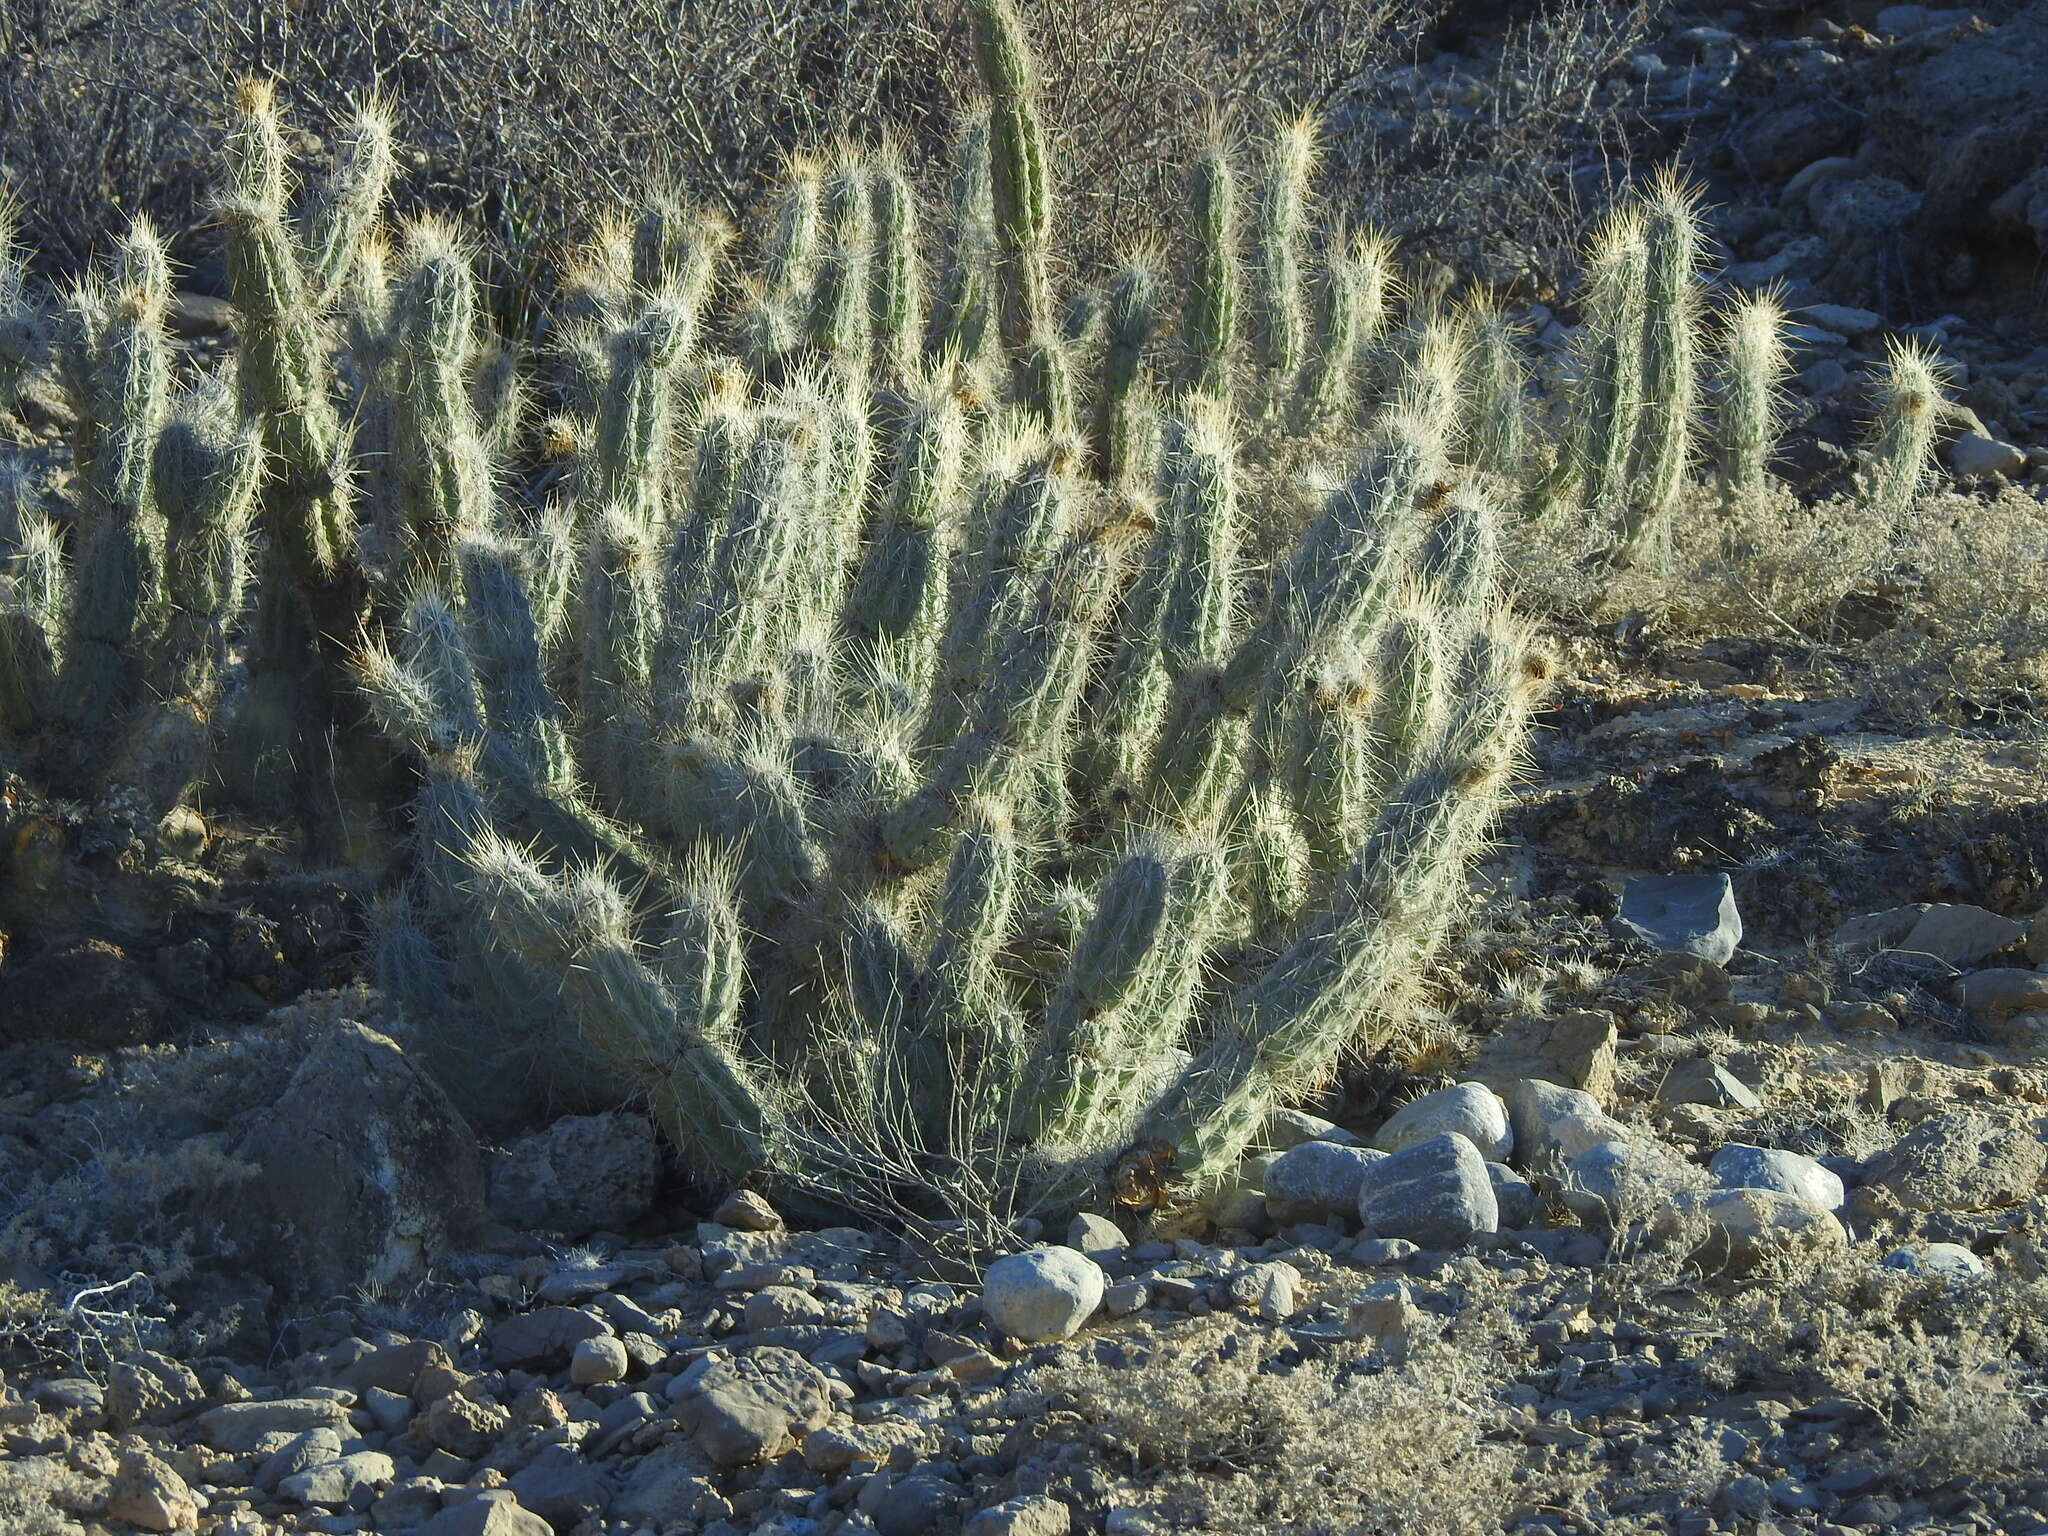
(1951, 1261)
(1317, 1179)
(149, 1493)
(583, 1174)
(336, 1484)
(1961, 1162)
(1696, 1080)
(1047, 1293)
(495, 1512)
(364, 1171)
(1952, 933)
(752, 1407)
(1436, 1193)
(544, 1339)
(1740, 1166)
(1683, 914)
(1539, 1112)
(1747, 1226)
(237, 1428)
(1472, 1110)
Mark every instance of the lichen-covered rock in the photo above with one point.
(365, 1171)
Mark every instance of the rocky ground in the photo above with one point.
(1705, 1196)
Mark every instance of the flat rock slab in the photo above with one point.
(1684, 914)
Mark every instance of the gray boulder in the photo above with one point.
(1697, 1080)
(1740, 1166)
(1514, 1196)
(1472, 1110)
(1436, 1193)
(1047, 1293)
(1317, 1179)
(1951, 1261)
(752, 1407)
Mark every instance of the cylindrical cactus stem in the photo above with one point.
(1496, 439)
(629, 458)
(349, 204)
(505, 646)
(1407, 713)
(676, 250)
(1330, 773)
(1045, 383)
(769, 337)
(120, 602)
(621, 620)
(1608, 397)
(1022, 511)
(1284, 1030)
(899, 597)
(1215, 278)
(963, 320)
(206, 470)
(673, 1036)
(1898, 448)
(1127, 700)
(281, 363)
(1125, 999)
(732, 631)
(1327, 380)
(1756, 362)
(1020, 176)
(895, 279)
(1188, 777)
(1120, 414)
(1457, 561)
(724, 426)
(33, 597)
(443, 472)
(1279, 319)
(837, 317)
(1433, 390)
(967, 1009)
(1675, 240)
(799, 231)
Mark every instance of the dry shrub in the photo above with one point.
(533, 118)
(1946, 619)
(1237, 1433)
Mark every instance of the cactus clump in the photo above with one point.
(922, 767)
(909, 736)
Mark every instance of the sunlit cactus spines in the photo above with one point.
(1121, 420)
(1898, 448)
(1756, 361)
(1608, 400)
(1673, 321)
(1279, 319)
